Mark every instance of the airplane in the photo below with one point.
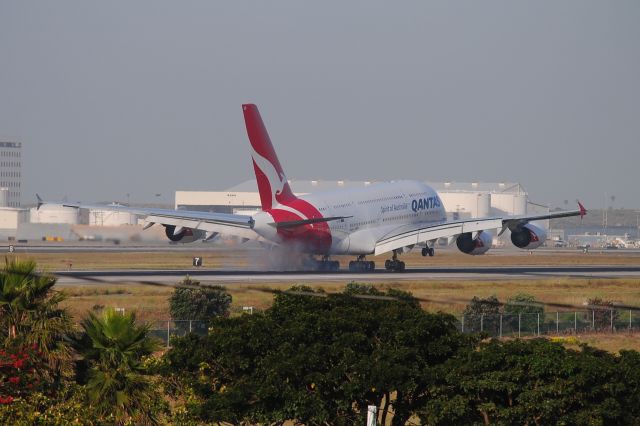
(387, 217)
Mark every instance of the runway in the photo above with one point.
(110, 248)
(160, 276)
(101, 247)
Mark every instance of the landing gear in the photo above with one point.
(394, 264)
(428, 251)
(324, 264)
(361, 265)
(329, 265)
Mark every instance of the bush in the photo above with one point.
(65, 408)
(193, 302)
(523, 312)
(482, 314)
(19, 367)
(600, 313)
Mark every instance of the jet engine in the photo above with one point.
(480, 245)
(185, 235)
(528, 236)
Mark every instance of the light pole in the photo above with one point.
(604, 214)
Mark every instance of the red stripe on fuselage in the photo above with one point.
(313, 238)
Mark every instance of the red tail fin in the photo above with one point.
(272, 182)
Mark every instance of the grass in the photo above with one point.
(131, 260)
(451, 296)
(151, 302)
(612, 342)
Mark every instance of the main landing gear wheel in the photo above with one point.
(394, 264)
(361, 265)
(328, 265)
(324, 264)
(428, 251)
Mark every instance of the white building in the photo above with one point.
(10, 218)
(54, 213)
(99, 217)
(10, 174)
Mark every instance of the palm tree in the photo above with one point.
(30, 314)
(118, 385)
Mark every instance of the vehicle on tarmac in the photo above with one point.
(559, 243)
(389, 217)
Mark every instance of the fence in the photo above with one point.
(519, 325)
(504, 325)
(168, 329)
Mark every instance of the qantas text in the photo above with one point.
(425, 203)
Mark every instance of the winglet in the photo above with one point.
(40, 202)
(583, 211)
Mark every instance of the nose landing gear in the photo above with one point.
(361, 265)
(394, 264)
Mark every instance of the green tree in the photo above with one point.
(358, 289)
(523, 312)
(30, 314)
(361, 289)
(198, 303)
(482, 314)
(118, 386)
(534, 382)
(317, 360)
(601, 312)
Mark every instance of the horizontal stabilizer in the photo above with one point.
(296, 223)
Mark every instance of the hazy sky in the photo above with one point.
(143, 97)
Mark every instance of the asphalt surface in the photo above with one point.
(76, 247)
(161, 276)
(112, 248)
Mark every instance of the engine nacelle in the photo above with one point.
(480, 245)
(187, 235)
(528, 236)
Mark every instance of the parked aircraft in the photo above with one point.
(390, 217)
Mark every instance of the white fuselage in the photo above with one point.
(369, 214)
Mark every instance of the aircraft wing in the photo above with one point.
(409, 235)
(224, 223)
